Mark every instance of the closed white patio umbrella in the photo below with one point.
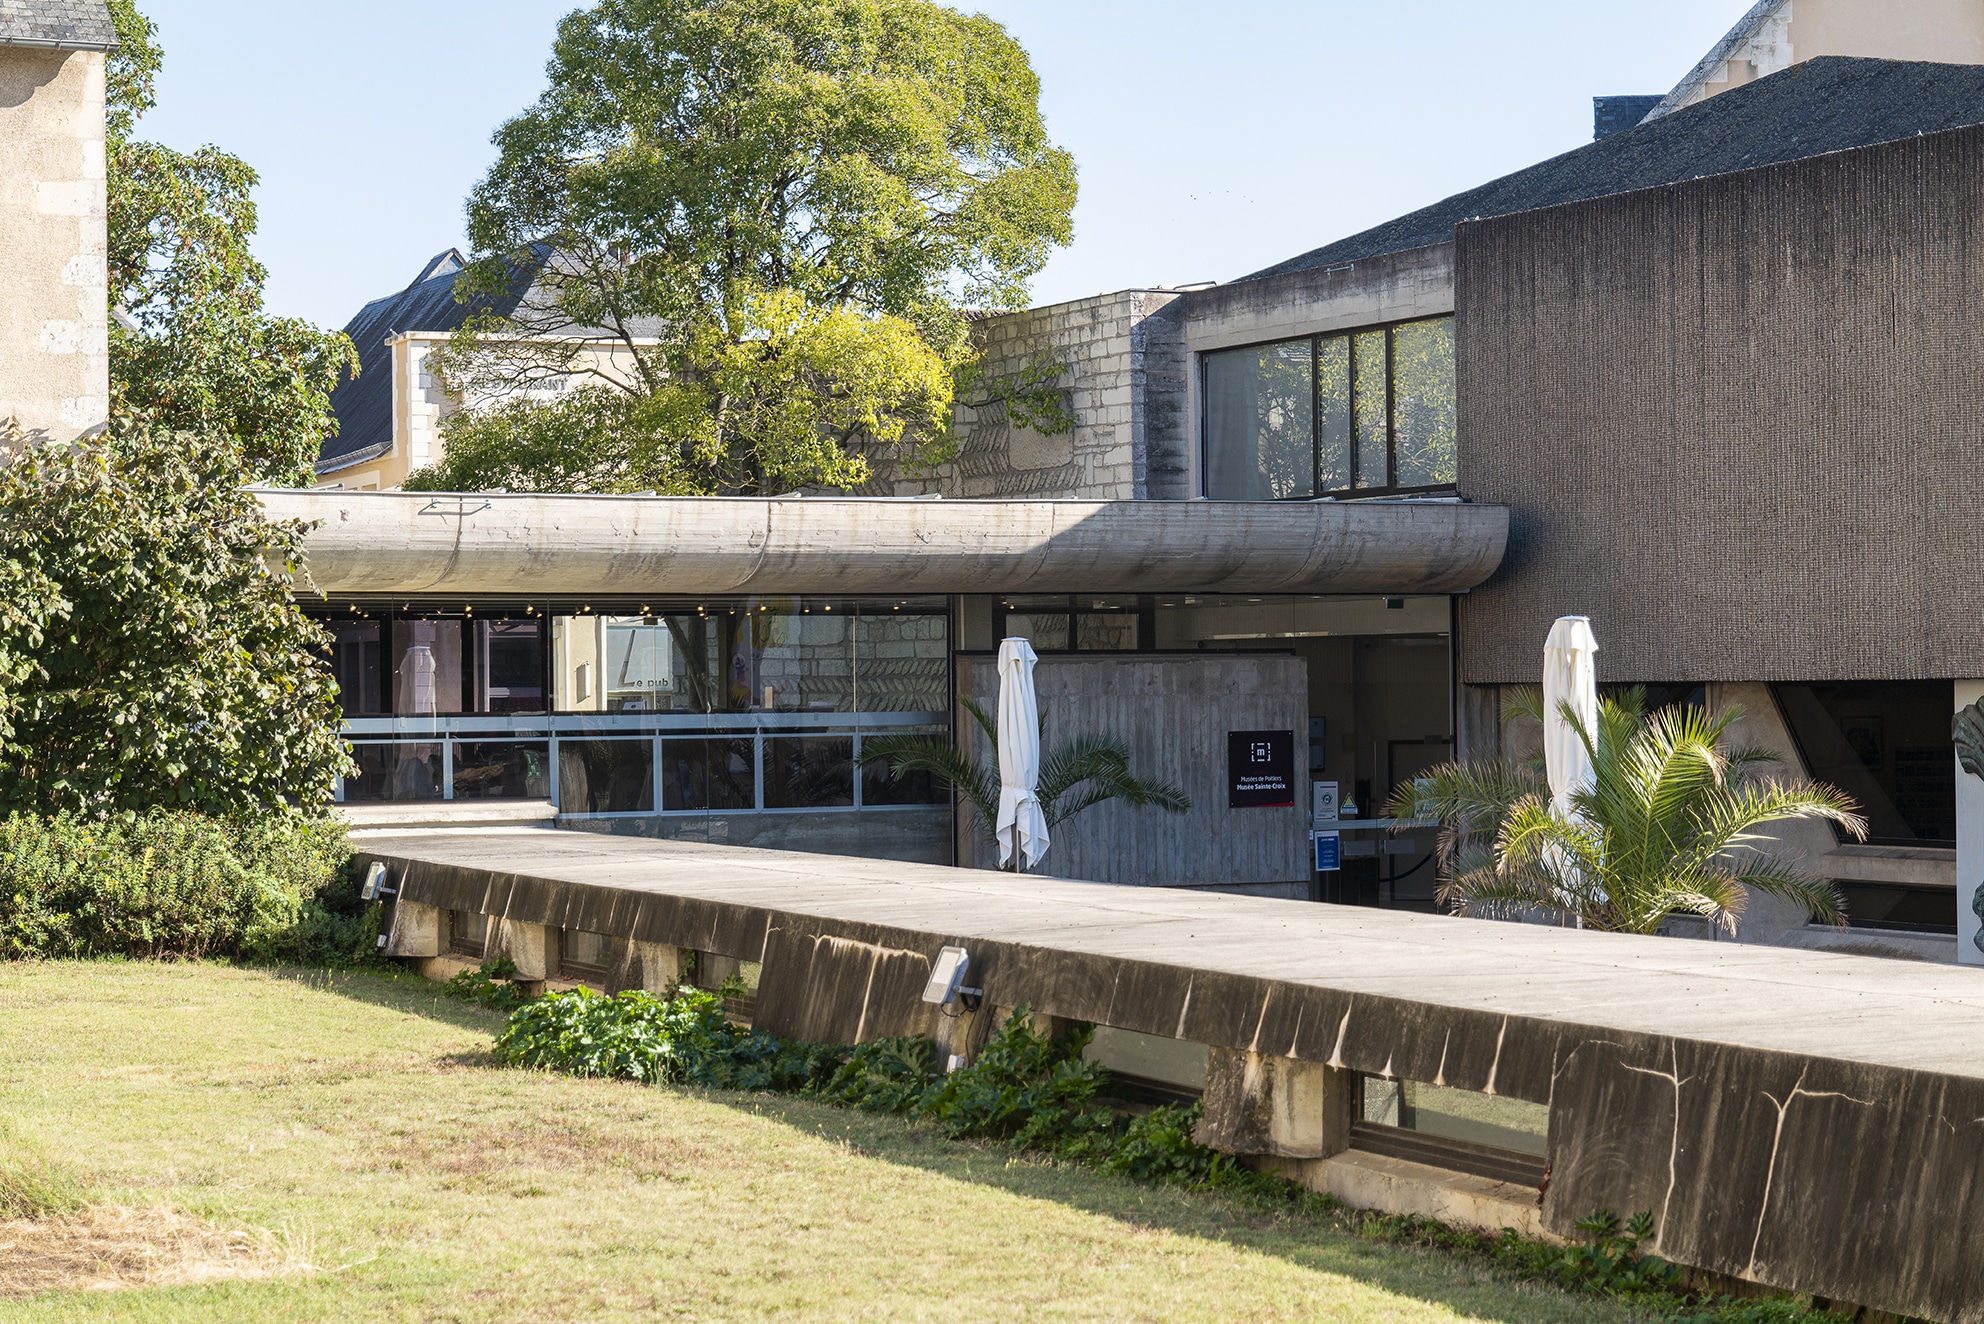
(1021, 825)
(1570, 677)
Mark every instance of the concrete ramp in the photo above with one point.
(1803, 1119)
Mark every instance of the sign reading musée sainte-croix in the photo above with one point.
(1260, 769)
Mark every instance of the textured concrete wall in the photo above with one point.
(54, 345)
(1736, 421)
(1101, 343)
(1173, 711)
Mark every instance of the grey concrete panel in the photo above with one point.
(1173, 711)
(396, 543)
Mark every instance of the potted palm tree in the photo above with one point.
(1078, 775)
(1667, 826)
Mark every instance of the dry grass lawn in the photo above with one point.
(295, 1146)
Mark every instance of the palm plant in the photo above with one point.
(1667, 825)
(1080, 774)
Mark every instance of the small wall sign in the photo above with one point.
(1260, 769)
(1329, 851)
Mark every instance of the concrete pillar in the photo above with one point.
(415, 930)
(652, 967)
(527, 946)
(1260, 1104)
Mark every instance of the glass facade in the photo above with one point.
(1344, 414)
(698, 707)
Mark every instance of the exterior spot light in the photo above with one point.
(375, 888)
(947, 981)
(828, 607)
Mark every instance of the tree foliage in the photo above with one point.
(190, 345)
(1668, 824)
(760, 219)
(1077, 775)
(151, 654)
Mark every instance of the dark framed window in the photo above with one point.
(1353, 413)
(1886, 744)
(1079, 622)
(1897, 907)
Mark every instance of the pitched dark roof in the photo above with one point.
(65, 24)
(364, 405)
(1829, 104)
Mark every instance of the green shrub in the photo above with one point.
(179, 884)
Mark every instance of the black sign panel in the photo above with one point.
(1260, 769)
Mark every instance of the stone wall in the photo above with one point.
(54, 343)
(1102, 342)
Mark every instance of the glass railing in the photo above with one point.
(607, 765)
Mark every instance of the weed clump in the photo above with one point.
(35, 1188)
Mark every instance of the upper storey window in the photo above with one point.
(1353, 413)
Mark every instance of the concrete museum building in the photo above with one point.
(1706, 380)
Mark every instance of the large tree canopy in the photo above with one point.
(190, 346)
(150, 652)
(753, 225)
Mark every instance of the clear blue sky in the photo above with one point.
(1213, 139)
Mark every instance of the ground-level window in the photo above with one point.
(1886, 744)
(1353, 413)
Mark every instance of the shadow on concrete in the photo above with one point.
(1471, 1289)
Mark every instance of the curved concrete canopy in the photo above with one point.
(418, 543)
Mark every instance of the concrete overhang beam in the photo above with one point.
(420, 543)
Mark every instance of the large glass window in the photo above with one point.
(1078, 622)
(1359, 412)
(771, 654)
(1886, 744)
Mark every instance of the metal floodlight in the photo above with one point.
(375, 882)
(947, 976)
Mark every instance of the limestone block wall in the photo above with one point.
(1102, 341)
(54, 340)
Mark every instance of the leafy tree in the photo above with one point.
(1667, 826)
(1078, 775)
(190, 346)
(759, 220)
(154, 656)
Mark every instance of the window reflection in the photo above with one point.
(427, 667)
(773, 654)
(1368, 411)
(1369, 370)
(1260, 422)
(1423, 415)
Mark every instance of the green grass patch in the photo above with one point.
(359, 1121)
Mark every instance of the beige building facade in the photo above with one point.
(54, 338)
(1777, 34)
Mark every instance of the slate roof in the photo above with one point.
(364, 405)
(1829, 104)
(65, 24)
